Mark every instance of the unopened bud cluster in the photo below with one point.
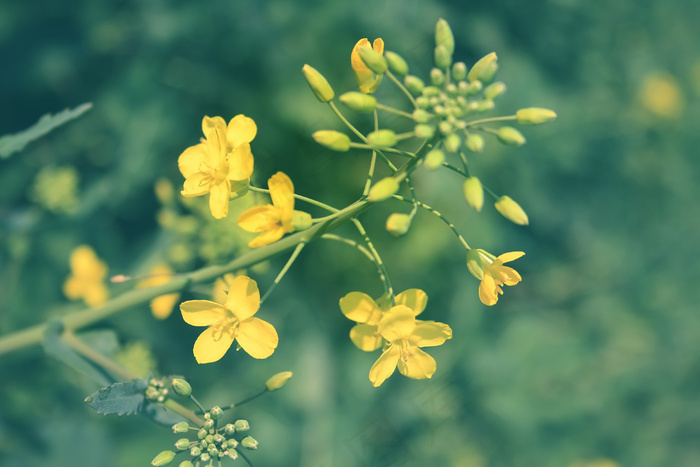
(157, 391)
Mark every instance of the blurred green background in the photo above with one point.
(593, 360)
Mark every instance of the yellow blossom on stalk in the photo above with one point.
(366, 79)
(221, 164)
(87, 279)
(231, 321)
(492, 273)
(161, 306)
(276, 219)
(405, 335)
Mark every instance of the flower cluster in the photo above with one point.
(87, 278)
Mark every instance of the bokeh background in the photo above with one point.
(592, 361)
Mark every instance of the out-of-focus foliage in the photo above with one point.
(591, 361)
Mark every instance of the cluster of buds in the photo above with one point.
(157, 390)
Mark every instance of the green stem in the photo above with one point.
(246, 400)
(438, 214)
(352, 243)
(492, 119)
(346, 122)
(381, 269)
(284, 270)
(299, 197)
(400, 85)
(384, 149)
(386, 108)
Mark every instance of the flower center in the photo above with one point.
(226, 326)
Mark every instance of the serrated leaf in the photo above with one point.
(16, 142)
(120, 398)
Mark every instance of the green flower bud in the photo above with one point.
(331, 139)
(232, 454)
(414, 84)
(430, 91)
(359, 101)
(181, 427)
(476, 260)
(374, 60)
(398, 224)
(202, 433)
(195, 451)
(318, 84)
(396, 63)
(511, 210)
(164, 458)
(424, 131)
(444, 36)
(249, 442)
(208, 425)
(186, 464)
(484, 69)
(474, 88)
(445, 127)
(182, 387)
(475, 142)
(241, 425)
(209, 439)
(218, 438)
(484, 105)
(278, 381)
(232, 443)
(437, 77)
(213, 452)
(383, 189)
(382, 138)
(494, 90)
(443, 59)
(459, 71)
(216, 412)
(473, 193)
(229, 429)
(452, 142)
(205, 457)
(182, 444)
(434, 159)
(422, 102)
(510, 136)
(421, 116)
(301, 220)
(534, 116)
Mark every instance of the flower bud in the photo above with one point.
(195, 451)
(332, 139)
(249, 442)
(444, 37)
(421, 116)
(424, 131)
(204, 457)
(494, 90)
(383, 189)
(382, 138)
(422, 102)
(182, 444)
(374, 60)
(534, 116)
(484, 105)
(511, 210)
(475, 142)
(202, 433)
(164, 458)
(216, 412)
(473, 193)
(434, 159)
(437, 77)
(443, 59)
(414, 84)
(301, 220)
(229, 429)
(510, 136)
(396, 63)
(398, 224)
(278, 381)
(445, 127)
(241, 425)
(484, 69)
(474, 88)
(208, 425)
(181, 427)
(182, 387)
(452, 142)
(476, 260)
(359, 101)
(186, 464)
(318, 84)
(459, 71)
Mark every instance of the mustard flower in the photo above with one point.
(406, 335)
(161, 306)
(276, 219)
(362, 309)
(231, 321)
(366, 79)
(87, 278)
(492, 273)
(221, 164)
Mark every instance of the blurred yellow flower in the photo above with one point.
(232, 321)
(221, 164)
(87, 277)
(406, 335)
(660, 94)
(161, 306)
(366, 79)
(492, 274)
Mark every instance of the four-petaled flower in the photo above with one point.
(405, 335)
(492, 273)
(366, 79)
(233, 320)
(87, 277)
(221, 164)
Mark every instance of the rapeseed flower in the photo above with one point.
(87, 279)
(492, 273)
(366, 79)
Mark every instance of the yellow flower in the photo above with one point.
(232, 321)
(87, 277)
(492, 273)
(366, 79)
(406, 335)
(360, 308)
(221, 164)
(161, 306)
(276, 219)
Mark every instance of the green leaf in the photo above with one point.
(16, 142)
(120, 398)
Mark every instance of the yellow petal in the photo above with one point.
(510, 256)
(257, 337)
(218, 199)
(488, 291)
(282, 192)
(360, 308)
(384, 366)
(212, 344)
(202, 312)
(197, 184)
(240, 163)
(162, 306)
(397, 323)
(241, 129)
(191, 159)
(271, 236)
(210, 124)
(508, 276)
(366, 337)
(430, 334)
(95, 294)
(259, 218)
(415, 299)
(73, 288)
(243, 298)
(419, 365)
